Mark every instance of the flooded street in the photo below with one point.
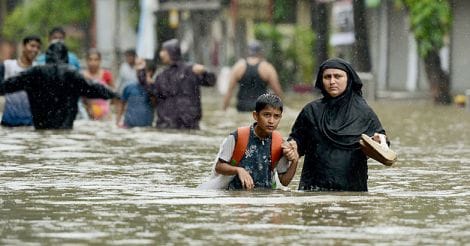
(99, 184)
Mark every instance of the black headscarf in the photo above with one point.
(346, 116)
(172, 46)
(57, 53)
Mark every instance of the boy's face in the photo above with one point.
(130, 59)
(31, 49)
(56, 36)
(267, 119)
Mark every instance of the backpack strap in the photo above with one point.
(243, 135)
(276, 149)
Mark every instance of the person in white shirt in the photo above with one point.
(17, 111)
(127, 72)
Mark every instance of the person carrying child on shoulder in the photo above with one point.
(252, 154)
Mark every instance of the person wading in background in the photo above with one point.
(177, 89)
(17, 111)
(253, 74)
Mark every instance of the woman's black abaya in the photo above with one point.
(327, 132)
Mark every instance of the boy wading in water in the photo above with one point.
(265, 151)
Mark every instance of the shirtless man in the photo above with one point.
(254, 74)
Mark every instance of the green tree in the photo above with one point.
(291, 55)
(431, 22)
(38, 16)
(301, 49)
(272, 39)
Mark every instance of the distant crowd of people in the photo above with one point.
(138, 94)
(49, 91)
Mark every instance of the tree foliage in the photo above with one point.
(289, 52)
(38, 16)
(283, 11)
(430, 22)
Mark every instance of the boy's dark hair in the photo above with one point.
(30, 38)
(130, 52)
(57, 29)
(268, 99)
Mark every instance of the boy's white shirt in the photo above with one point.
(219, 181)
(13, 68)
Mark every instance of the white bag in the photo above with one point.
(216, 180)
(223, 80)
(219, 181)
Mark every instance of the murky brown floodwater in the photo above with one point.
(102, 185)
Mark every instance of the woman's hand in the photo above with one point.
(378, 136)
(198, 69)
(289, 149)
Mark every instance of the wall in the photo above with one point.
(460, 61)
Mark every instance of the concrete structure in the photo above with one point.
(459, 46)
(396, 65)
(114, 33)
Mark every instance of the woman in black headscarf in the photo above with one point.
(327, 131)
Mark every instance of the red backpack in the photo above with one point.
(243, 135)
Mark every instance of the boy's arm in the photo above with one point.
(222, 166)
(226, 169)
(120, 107)
(290, 154)
(286, 177)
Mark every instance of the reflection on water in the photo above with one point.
(99, 184)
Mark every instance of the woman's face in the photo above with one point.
(335, 81)
(165, 56)
(93, 61)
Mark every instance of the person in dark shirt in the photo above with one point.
(54, 89)
(254, 75)
(327, 131)
(177, 89)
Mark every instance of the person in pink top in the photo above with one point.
(98, 109)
